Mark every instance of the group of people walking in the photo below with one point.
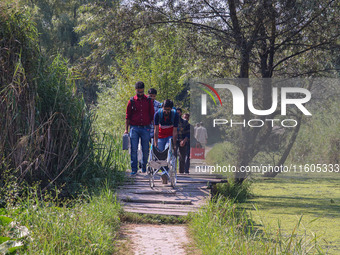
(147, 118)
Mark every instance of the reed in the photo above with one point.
(46, 133)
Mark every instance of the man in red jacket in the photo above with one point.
(139, 115)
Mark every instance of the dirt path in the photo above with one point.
(136, 196)
(157, 239)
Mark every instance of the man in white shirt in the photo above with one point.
(202, 135)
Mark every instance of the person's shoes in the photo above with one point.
(187, 173)
(164, 178)
(133, 173)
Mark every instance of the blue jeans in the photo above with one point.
(143, 133)
(162, 142)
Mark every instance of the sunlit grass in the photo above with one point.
(223, 228)
(286, 199)
(86, 226)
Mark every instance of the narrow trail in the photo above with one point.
(157, 239)
(189, 195)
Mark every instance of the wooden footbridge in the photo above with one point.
(189, 194)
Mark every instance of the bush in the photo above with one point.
(234, 191)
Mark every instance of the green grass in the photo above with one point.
(234, 191)
(137, 218)
(286, 199)
(222, 227)
(86, 226)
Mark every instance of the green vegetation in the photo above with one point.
(67, 72)
(152, 219)
(282, 215)
(158, 64)
(87, 225)
(318, 141)
(223, 227)
(222, 154)
(48, 142)
(234, 191)
(285, 200)
(47, 134)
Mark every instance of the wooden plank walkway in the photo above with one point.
(189, 194)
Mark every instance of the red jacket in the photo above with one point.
(142, 113)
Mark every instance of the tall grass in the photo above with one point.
(46, 133)
(234, 191)
(86, 226)
(221, 227)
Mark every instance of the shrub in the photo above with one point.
(234, 191)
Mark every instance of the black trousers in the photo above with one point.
(187, 159)
(182, 153)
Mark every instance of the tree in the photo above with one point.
(264, 38)
(153, 59)
(244, 39)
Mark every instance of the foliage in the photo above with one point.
(46, 133)
(324, 130)
(222, 154)
(157, 63)
(55, 22)
(221, 227)
(86, 226)
(287, 197)
(234, 191)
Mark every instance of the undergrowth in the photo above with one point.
(87, 225)
(137, 218)
(47, 134)
(221, 227)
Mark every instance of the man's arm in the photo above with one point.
(174, 135)
(127, 124)
(186, 134)
(156, 130)
(183, 142)
(174, 132)
(152, 111)
(127, 117)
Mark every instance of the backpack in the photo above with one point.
(172, 114)
(132, 100)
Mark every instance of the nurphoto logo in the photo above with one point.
(280, 99)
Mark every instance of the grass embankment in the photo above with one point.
(287, 199)
(223, 227)
(283, 200)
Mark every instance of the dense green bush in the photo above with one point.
(234, 191)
